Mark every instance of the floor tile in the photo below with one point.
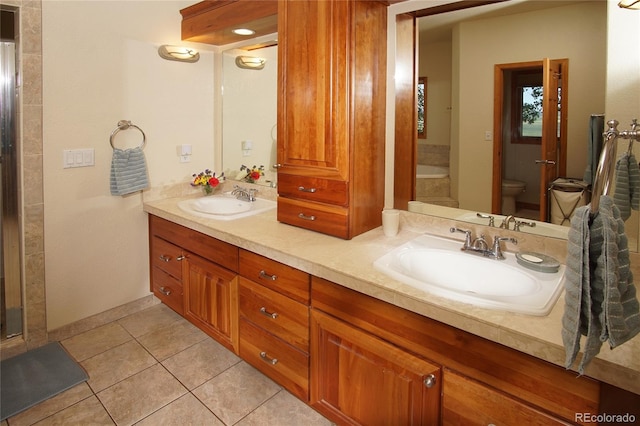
(284, 409)
(116, 364)
(200, 363)
(87, 412)
(148, 320)
(186, 410)
(173, 338)
(140, 395)
(98, 340)
(52, 405)
(236, 392)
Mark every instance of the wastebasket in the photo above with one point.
(565, 195)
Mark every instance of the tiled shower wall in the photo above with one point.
(30, 192)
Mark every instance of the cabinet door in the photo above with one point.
(468, 402)
(314, 88)
(357, 378)
(211, 299)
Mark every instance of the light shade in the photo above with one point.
(250, 62)
(178, 53)
(630, 4)
(243, 31)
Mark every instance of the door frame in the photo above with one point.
(498, 114)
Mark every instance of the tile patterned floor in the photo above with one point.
(155, 368)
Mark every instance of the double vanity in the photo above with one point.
(346, 326)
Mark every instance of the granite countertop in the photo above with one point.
(350, 263)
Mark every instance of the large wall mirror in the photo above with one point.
(249, 115)
(458, 52)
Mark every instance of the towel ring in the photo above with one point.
(124, 125)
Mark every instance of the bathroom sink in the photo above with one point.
(437, 265)
(225, 207)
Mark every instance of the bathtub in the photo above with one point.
(431, 172)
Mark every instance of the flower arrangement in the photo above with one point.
(207, 180)
(253, 174)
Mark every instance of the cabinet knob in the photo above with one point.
(165, 291)
(266, 313)
(430, 381)
(265, 357)
(164, 258)
(303, 189)
(181, 257)
(266, 276)
(305, 217)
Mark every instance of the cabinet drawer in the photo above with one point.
(210, 248)
(279, 277)
(283, 363)
(313, 189)
(466, 401)
(167, 289)
(167, 257)
(279, 315)
(318, 217)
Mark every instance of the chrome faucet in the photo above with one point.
(496, 251)
(506, 221)
(486, 216)
(244, 194)
(518, 223)
(480, 246)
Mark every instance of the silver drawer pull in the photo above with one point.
(266, 276)
(305, 217)
(165, 258)
(272, 361)
(264, 312)
(165, 291)
(181, 257)
(303, 189)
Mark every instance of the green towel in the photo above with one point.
(600, 297)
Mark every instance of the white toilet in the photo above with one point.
(510, 190)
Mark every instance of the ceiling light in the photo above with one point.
(630, 4)
(178, 53)
(250, 62)
(243, 31)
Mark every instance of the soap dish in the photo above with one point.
(538, 262)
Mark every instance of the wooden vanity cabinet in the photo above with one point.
(531, 390)
(274, 321)
(468, 402)
(358, 378)
(196, 275)
(166, 272)
(331, 110)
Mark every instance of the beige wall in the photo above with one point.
(482, 44)
(100, 65)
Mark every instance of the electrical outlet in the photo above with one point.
(488, 135)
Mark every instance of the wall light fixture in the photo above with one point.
(630, 4)
(178, 53)
(250, 62)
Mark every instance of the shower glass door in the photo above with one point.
(11, 294)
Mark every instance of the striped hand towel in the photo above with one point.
(128, 171)
(600, 297)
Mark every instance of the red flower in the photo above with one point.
(255, 175)
(214, 181)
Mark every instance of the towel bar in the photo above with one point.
(124, 125)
